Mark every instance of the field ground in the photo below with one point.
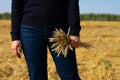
(98, 57)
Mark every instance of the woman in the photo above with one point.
(33, 22)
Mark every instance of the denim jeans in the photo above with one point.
(34, 41)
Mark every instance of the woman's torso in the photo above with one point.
(45, 12)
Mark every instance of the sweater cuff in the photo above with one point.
(15, 36)
(75, 33)
(75, 30)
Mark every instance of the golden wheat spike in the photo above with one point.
(53, 39)
(57, 48)
(70, 47)
(54, 45)
(66, 51)
(68, 33)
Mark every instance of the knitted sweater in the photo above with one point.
(44, 13)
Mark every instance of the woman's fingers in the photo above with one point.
(16, 48)
(19, 52)
(75, 41)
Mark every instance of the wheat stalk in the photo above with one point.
(61, 42)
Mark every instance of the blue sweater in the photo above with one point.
(45, 13)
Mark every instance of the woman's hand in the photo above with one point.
(16, 48)
(75, 41)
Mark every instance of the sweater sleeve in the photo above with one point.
(16, 16)
(73, 17)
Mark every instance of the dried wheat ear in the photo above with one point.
(61, 42)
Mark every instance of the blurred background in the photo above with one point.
(98, 56)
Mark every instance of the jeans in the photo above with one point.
(34, 41)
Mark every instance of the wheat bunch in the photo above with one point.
(61, 42)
